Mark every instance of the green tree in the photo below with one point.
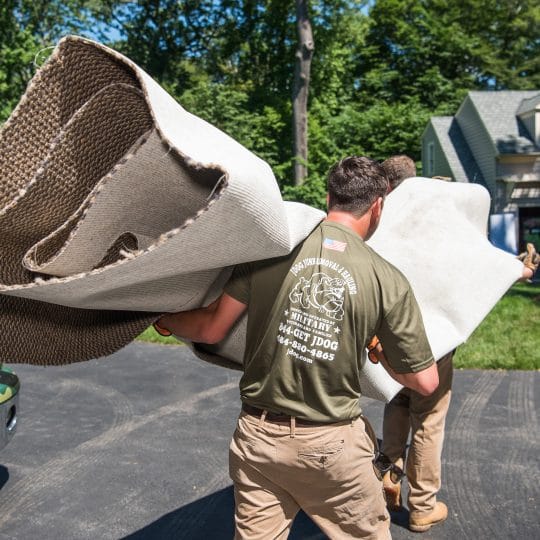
(28, 29)
(376, 76)
(18, 47)
(162, 36)
(436, 50)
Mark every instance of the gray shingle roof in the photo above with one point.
(498, 110)
(460, 159)
(529, 104)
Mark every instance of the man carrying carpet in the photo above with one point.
(423, 416)
(301, 441)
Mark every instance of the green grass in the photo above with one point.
(151, 336)
(508, 338)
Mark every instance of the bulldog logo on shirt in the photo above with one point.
(322, 292)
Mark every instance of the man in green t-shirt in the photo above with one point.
(301, 441)
(422, 416)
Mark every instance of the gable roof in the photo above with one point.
(498, 111)
(529, 105)
(456, 150)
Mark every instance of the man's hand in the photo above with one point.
(530, 259)
(161, 331)
(375, 350)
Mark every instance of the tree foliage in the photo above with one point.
(435, 50)
(17, 49)
(380, 68)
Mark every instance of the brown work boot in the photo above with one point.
(423, 522)
(392, 493)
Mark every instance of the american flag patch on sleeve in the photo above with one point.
(336, 245)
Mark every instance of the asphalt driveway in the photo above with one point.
(135, 446)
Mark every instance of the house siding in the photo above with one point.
(479, 142)
(524, 170)
(521, 168)
(440, 163)
(529, 123)
(494, 139)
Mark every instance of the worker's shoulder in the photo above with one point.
(386, 273)
(380, 263)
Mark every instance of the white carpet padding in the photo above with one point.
(435, 233)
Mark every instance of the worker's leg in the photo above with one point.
(396, 427)
(428, 415)
(262, 508)
(335, 482)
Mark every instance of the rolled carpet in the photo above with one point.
(117, 205)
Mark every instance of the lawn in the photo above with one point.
(508, 338)
(151, 336)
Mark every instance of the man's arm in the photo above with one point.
(424, 382)
(209, 324)
(407, 355)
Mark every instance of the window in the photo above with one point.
(430, 165)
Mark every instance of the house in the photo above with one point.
(493, 140)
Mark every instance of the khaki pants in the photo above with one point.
(327, 471)
(424, 416)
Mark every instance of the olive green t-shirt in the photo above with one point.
(310, 316)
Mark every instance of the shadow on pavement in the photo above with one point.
(400, 518)
(78, 473)
(212, 517)
(4, 476)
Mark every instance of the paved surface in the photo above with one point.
(135, 446)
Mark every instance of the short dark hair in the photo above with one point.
(355, 183)
(398, 168)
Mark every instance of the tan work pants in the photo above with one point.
(278, 468)
(425, 417)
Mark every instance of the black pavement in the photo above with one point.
(135, 446)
